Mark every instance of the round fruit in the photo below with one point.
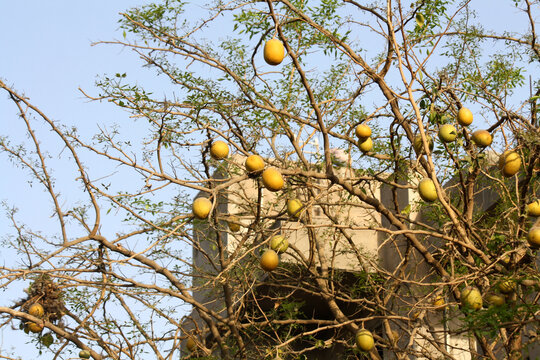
(533, 237)
(365, 145)
(494, 300)
(272, 179)
(293, 207)
(47, 339)
(35, 328)
(233, 223)
(439, 301)
(509, 163)
(471, 297)
(254, 165)
(426, 189)
(191, 344)
(36, 310)
(84, 354)
(363, 131)
(533, 209)
(201, 207)
(482, 138)
(464, 117)
(269, 260)
(418, 145)
(447, 133)
(507, 286)
(279, 244)
(274, 52)
(364, 340)
(219, 150)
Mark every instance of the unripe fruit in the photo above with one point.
(36, 310)
(254, 165)
(447, 133)
(465, 117)
(427, 191)
(363, 131)
(84, 354)
(269, 260)
(279, 244)
(272, 179)
(509, 163)
(494, 300)
(201, 207)
(482, 138)
(274, 52)
(365, 145)
(439, 302)
(507, 286)
(219, 150)
(364, 340)
(418, 145)
(533, 237)
(191, 344)
(233, 223)
(294, 207)
(471, 297)
(533, 209)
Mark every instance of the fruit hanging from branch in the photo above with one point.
(465, 117)
(201, 207)
(272, 179)
(274, 52)
(219, 150)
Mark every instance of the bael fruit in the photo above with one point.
(269, 260)
(471, 298)
(418, 145)
(509, 163)
(533, 237)
(191, 344)
(36, 310)
(464, 117)
(35, 328)
(293, 207)
(364, 340)
(482, 138)
(365, 145)
(427, 191)
(47, 339)
(507, 286)
(201, 207)
(494, 300)
(234, 223)
(84, 354)
(219, 150)
(274, 52)
(439, 302)
(279, 244)
(363, 131)
(533, 209)
(272, 179)
(447, 133)
(254, 165)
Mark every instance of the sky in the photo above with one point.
(47, 54)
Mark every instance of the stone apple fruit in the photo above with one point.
(274, 52)
(201, 207)
(35, 328)
(363, 131)
(219, 150)
(439, 302)
(254, 165)
(507, 286)
(509, 163)
(482, 138)
(426, 189)
(418, 145)
(294, 207)
(269, 260)
(36, 310)
(365, 145)
(279, 244)
(191, 345)
(272, 179)
(533, 237)
(533, 209)
(447, 133)
(364, 340)
(84, 354)
(494, 300)
(471, 298)
(465, 117)
(234, 223)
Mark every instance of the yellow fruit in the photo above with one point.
(294, 207)
(363, 131)
(233, 223)
(471, 297)
(254, 165)
(279, 244)
(36, 310)
(269, 260)
(364, 340)
(274, 52)
(418, 145)
(219, 150)
(84, 354)
(201, 207)
(482, 138)
(447, 133)
(272, 179)
(533, 209)
(191, 344)
(509, 163)
(365, 145)
(533, 237)
(426, 189)
(507, 286)
(494, 300)
(35, 328)
(464, 117)
(439, 301)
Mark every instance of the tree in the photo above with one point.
(403, 69)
